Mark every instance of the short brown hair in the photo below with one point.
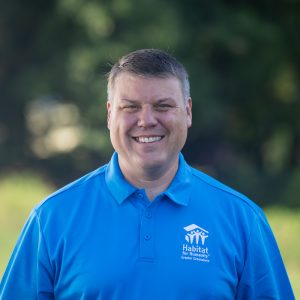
(149, 63)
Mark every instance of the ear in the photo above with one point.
(108, 106)
(189, 112)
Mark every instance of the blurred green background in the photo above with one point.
(243, 58)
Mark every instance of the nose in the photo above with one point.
(146, 117)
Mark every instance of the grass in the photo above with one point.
(285, 224)
(20, 192)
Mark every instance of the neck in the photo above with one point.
(154, 181)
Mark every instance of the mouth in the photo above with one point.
(148, 139)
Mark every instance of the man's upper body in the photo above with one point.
(146, 225)
(101, 238)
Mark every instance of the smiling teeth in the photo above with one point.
(148, 139)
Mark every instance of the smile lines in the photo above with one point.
(150, 139)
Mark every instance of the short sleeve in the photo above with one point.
(264, 275)
(28, 274)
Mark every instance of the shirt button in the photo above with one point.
(140, 195)
(147, 237)
(148, 214)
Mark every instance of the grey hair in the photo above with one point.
(149, 63)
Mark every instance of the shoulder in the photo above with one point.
(221, 193)
(74, 190)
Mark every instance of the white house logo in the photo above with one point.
(194, 247)
(195, 233)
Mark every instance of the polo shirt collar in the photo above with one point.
(116, 182)
(178, 191)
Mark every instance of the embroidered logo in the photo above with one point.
(194, 247)
(194, 232)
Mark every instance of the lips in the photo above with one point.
(148, 139)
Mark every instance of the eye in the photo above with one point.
(163, 106)
(130, 107)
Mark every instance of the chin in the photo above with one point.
(150, 163)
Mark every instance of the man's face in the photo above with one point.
(148, 122)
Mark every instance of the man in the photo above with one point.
(146, 225)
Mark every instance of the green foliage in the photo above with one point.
(243, 60)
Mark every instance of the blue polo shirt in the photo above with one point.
(101, 238)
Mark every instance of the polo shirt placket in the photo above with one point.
(146, 225)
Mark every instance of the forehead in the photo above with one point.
(131, 86)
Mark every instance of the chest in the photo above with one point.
(148, 253)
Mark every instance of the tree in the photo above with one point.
(243, 60)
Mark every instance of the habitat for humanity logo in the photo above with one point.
(194, 246)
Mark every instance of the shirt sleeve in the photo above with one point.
(264, 275)
(28, 274)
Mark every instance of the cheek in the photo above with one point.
(180, 128)
(176, 122)
(127, 121)
(120, 123)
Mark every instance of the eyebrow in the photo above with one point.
(159, 100)
(128, 100)
(165, 99)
